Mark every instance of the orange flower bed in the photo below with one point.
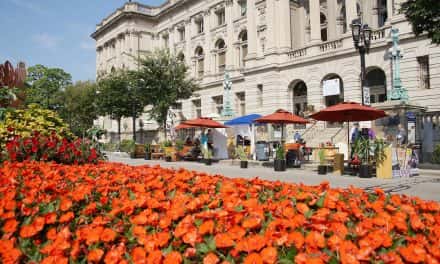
(113, 213)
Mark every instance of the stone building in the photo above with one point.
(279, 54)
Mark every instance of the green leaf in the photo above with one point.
(239, 208)
(309, 213)
(320, 202)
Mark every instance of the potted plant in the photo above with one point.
(179, 144)
(207, 156)
(168, 149)
(147, 151)
(242, 156)
(322, 167)
(279, 163)
(362, 148)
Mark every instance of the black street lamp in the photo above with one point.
(362, 40)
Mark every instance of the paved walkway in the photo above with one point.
(426, 186)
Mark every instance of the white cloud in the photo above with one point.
(87, 45)
(45, 40)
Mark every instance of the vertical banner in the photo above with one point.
(367, 96)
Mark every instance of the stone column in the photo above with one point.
(332, 6)
(171, 36)
(284, 32)
(389, 11)
(251, 29)
(350, 13)
(271, 15)
(189, 52)
(374, 15)
(230, 39)
(315, 23)
(208, 43)
(301, 32)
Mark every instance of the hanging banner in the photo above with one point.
(331, 87)
(367, 96)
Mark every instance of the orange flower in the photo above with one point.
(155, 257)
(253, 258)
(173, 257)
(211, 258)
(65, 204)
(66, 217)
(223, 241)
(296, 238)
(413, 253)
(206, 227)
(10, 226)
(95, 255)
(315, 240)
(108, 235)
(138, 255)
(269, 255)
(251, 222)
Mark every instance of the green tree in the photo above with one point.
(163, 79)
(79, 106)
(45, 83)
(116, 96)
(424, 17)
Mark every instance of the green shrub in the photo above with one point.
(24, 122)
(111, 147)
(127, 145)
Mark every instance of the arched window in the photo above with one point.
(298, 90)
(221, 55)
(200, 58)
(243, 39)
(376, 81)
(323, 20)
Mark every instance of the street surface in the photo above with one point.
(425, 186)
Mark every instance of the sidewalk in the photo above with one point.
(425, 186)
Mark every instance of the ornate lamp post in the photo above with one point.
(362, 40)
(398, 92)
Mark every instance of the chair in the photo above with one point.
(157, 152)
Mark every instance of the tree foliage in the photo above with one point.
(424, 17)
(79, 106)
(116, 96)
(163, 79)
(45, 83)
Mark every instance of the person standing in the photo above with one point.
(354, 134)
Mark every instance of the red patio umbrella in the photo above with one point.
(282, 117)
(348, 112)
(183, 126)
(204, 122)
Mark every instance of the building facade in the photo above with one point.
(279, 53)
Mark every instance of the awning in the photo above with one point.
(243, 120)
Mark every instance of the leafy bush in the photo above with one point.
(51, 148)
(240, 153)
(25, 122)
(127, 145)
(436, 154)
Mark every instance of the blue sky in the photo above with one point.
(55, 33)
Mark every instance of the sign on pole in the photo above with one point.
(367, 96)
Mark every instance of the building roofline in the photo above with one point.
(155, 12)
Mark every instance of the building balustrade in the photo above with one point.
(297, 53)
(330, 45)
(378, 34)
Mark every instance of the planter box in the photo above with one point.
(243, 164)
(365, 171)
(279, 165)
(322, 169)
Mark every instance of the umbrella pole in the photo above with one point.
(348, 140)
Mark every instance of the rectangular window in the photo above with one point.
(240, 103)
(182, 34)
(177, 107)
(244, 50)
(200, 67)
(221, 17)
(199, 24)
(197, 108)
(165, 41)
(243, 7)
(221, 61)
(218, 104)
(260, 95)
(424, 77)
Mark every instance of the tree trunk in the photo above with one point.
(165, 129)
(119, 130)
